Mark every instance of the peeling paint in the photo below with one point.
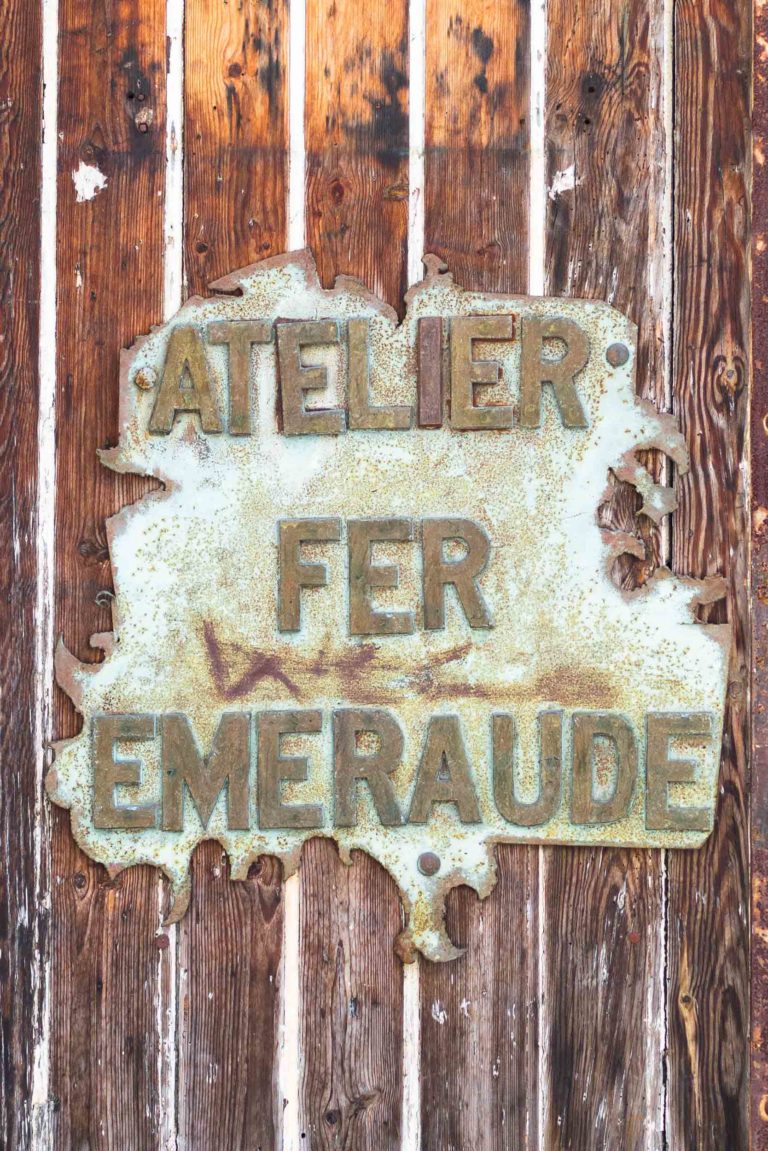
(88, 181)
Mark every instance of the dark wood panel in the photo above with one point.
(708, 992)
(235, 204)
(235, 193)
(480, 1013)
(231, 941)
(106, 964)
(477, 135)
(351, 1003)
(603, 910)
(235, 135)
(20, 920)
(480, 1018)
(759, 606)
(356, 126)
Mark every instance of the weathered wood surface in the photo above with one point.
(351, 1003)
(235, 135)
(356, 135)
(603, 910)
(106, 965)
(477, 134)
(356, 138)
(229, 989)
(759, 475)
(708, 963)
(20, 132)
(235, 203)
(479, 1029)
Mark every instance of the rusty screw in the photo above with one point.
(617, 355)
(145, 379)
(428, 863)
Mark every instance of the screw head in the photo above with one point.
(617, 355)
(428, 863)
(145, 379)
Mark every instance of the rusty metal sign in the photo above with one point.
(373, 600)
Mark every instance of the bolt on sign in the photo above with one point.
(373, 600)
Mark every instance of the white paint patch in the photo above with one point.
(88, 181)
(564, 181)
(439, 1014)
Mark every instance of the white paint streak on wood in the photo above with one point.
(88, 181)
(537, 226)
(417, 66)
(537, 212)
(41, 1135)
(410, 1131)
(411, 1121)
(563, 181)
(288, 1067)
(296, 147)
(174, 290)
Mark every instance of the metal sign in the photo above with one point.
(373, 601)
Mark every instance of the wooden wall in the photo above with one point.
(594, 148)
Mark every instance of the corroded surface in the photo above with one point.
(195, 615)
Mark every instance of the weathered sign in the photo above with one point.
(373, 600)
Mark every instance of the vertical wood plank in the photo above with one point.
(235, 135)
(479, 1013)
(20, 133)
(105, 968)
(708, 994)
(603, 910)
(477, 136)
(759, 603)
(235, 195)
(351, 1003)
(356, 133)
(230, 959)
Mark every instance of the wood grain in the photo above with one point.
(235, 194)
(477, 135)
(708, 991)
(229, 965)
(235, 135)
(759, 606)
(105, 962)
(20, 914)
(351, 1003)
(603, 910)
(356, 133)
(480, 1013)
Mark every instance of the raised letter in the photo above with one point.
(586, 807)
(294, 574)
(444, 775)
(185, 360)
(364, 574)
(430, 371)
(349, 764)
(205, 776)
(462, 572)
(361, 414)
(275, 767)
(108, 771)
(296, 379)
(661, 771)
(240, 336)
(536, 371)
(466, 372)
(545, 805)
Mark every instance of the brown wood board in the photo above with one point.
(21, 917)
(106, 966)
(603, 910)
(708, 961)
(479, 1014)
